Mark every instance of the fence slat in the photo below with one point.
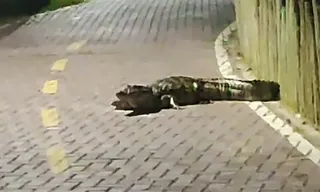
(281, 42)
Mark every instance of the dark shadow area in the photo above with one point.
(14, 8)
(142, 112)
(8, 27)
(15, 13)
(147, 112)
(138, 112)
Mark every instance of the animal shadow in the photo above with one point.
(142, 112)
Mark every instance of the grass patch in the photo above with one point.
(56, 4)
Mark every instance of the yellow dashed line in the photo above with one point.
(59, 65)
(76, 46)
(50, 87)
(57, 159)
(50, 117)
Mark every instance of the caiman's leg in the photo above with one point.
(172, 103)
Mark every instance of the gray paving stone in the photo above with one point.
(219, 147)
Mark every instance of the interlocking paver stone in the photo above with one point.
(220, 147)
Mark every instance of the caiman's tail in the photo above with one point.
(236, 89)
(265, 90)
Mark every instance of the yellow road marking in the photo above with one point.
(50, 87)
(57, 159)
(59, 65)
(50, 117)
(76, 45)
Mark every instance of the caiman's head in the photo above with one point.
(135, 95)
(132, 91)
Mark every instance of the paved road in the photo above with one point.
(218, 147)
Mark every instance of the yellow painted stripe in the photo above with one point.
(50, 87)
(59, 65)
(76, 45)
(50, 117)
(57, 159)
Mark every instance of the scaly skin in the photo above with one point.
(236, 89)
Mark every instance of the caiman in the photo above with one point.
(176, 91)
(170, 92)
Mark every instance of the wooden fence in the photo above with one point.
(280, 39)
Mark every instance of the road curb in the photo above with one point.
(279, 125)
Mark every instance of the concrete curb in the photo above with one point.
(279, 125)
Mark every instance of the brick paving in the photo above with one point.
(220, 147)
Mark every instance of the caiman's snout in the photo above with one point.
(121, 95)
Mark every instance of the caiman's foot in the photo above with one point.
(172, 102)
